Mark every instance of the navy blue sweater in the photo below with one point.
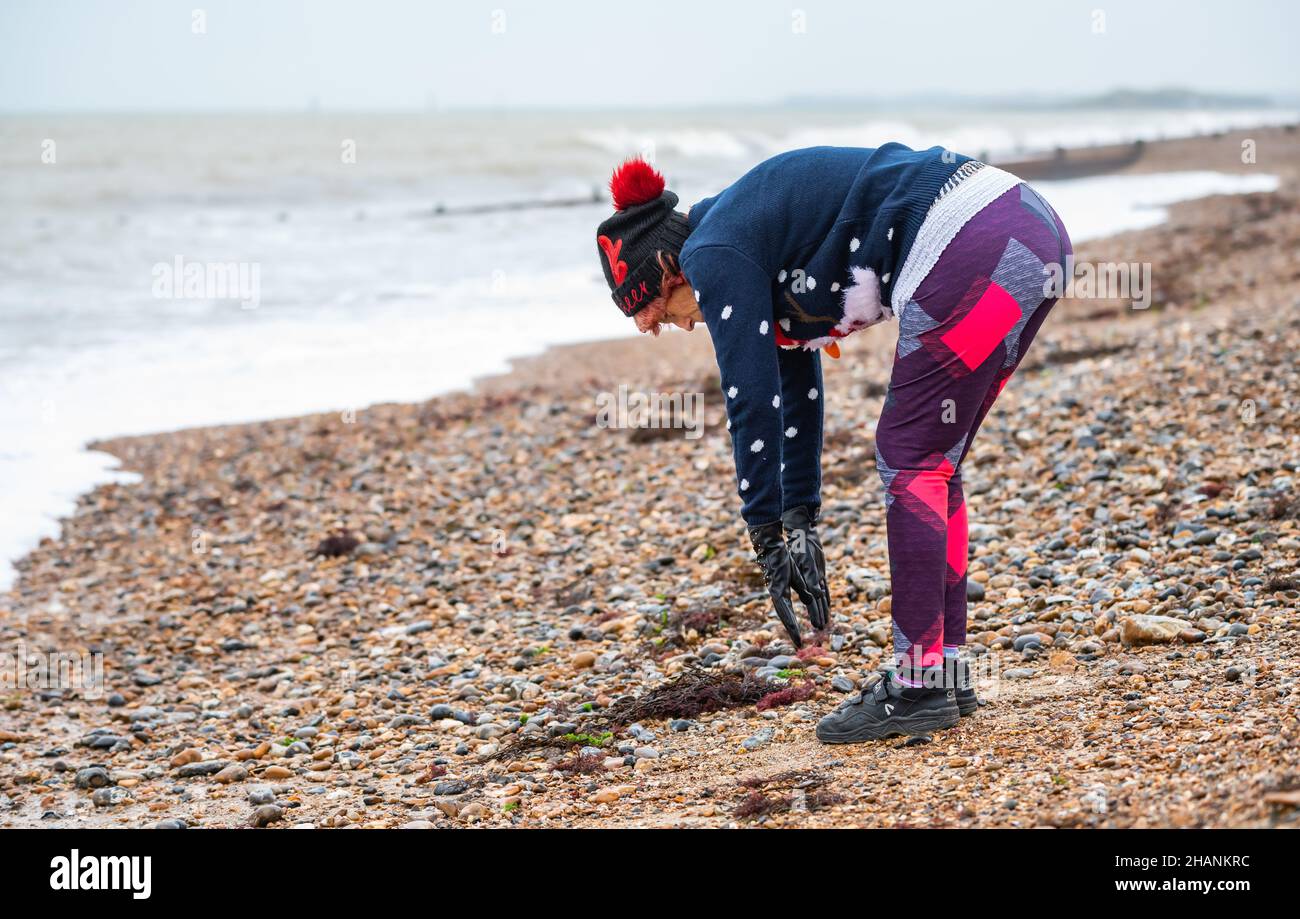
(799, 251)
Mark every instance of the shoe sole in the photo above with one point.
(968, 706)
(903, 726)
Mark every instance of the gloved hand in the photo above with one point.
(778, 571)
(809, 564)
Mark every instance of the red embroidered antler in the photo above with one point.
(616, 267)
(635, 182)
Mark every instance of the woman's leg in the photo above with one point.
(960, 336)
(929, 410)
(954, 616)
(954, 585)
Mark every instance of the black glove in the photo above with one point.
(779, 573)
(809, 564)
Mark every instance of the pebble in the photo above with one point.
(188, 755)
(611, 794)
(266, 815)
(1031, 640)
(1148, 629)
(231, 774)
(93, 777)
(758, 739)
(110, 797)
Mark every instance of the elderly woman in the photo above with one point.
(804, 249)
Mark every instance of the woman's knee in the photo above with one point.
(920, 478)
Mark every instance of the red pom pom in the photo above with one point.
(635, 182)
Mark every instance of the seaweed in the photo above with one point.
(599, 739)
(526, 745)
(671, 634)
(757, 804)
(433, 772)
(341, 543)
(580, 764)
(703, 621)
(797, 692)
(821, 798)
(535, 743)
(803, 777)
(693, 692)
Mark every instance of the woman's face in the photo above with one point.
(682, 309)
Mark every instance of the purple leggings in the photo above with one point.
(960, 338)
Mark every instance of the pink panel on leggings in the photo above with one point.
(988, 322)
(931, 487)
(926, 651)
(957, 540)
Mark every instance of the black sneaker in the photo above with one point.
(888, 709)
(964, 687)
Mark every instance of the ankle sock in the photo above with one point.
(951, 650)
(904, 681)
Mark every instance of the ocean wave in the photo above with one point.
(992, 135)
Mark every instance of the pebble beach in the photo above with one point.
(489, 610)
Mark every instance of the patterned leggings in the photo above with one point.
(960, 338)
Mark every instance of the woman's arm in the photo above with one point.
(801, 412)
(735, 298)
(801, 477)
(736, 301)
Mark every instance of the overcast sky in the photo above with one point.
(390, 54)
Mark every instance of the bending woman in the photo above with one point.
(801, 251)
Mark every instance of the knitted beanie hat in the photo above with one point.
(644, 223)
